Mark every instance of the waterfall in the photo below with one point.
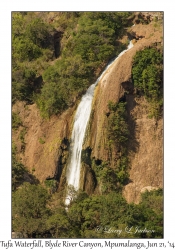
(80, 123)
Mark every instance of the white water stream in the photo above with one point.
(80, 123)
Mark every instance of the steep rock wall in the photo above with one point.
(45, 141)
(147, 160)
(146, 147)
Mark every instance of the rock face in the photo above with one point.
(147, 160)
(146, 143)
(112, 86)
(87, 180)
(44, 141)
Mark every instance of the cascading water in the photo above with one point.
(80, 123)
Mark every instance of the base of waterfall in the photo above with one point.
(67, 200)
(71, 194)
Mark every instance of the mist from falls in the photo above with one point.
(78, 133)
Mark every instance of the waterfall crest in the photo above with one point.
(78, 133)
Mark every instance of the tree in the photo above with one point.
(32, 46)
(29, 209)
(39, 33)
(52, 100)
(58, 224)
(18, 170)
(152, 209)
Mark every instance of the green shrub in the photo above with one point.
(22, 135)
(117, 125)
(16, 120)
(118, 133)
(18, 170)
(147, 74)
(29, 210)
(52, 100)
(41, 141)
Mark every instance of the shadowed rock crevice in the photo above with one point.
(133, 144)
(62, 161)
(88, 181)
(128, 86)
(57, 46)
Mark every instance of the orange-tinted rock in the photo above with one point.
(43, 139)
(146, 163)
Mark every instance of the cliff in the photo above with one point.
(45, 145)
(146, 143)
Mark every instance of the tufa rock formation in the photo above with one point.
(45, 141)
(146, 143)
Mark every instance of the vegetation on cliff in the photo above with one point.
(86, 45)
(118, 135)
(147, 73)
(113, 178)
(20, 173)
(18, 170)
(31, 50)
(53, 63)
